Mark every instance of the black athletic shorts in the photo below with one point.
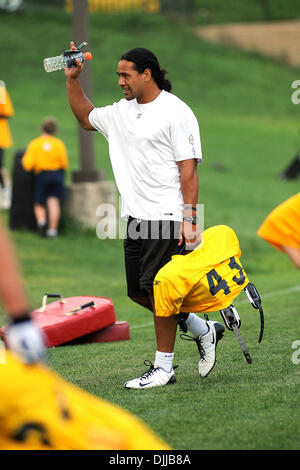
(49, 184)
(148, 246)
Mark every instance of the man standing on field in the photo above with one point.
(154, 146)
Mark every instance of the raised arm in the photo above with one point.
(80, 104)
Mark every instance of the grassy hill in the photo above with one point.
(249, 129)
(242, 101)
(233, 11)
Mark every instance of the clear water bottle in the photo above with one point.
(67, 59)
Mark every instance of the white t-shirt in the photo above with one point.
(145, 142)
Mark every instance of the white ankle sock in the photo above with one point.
(196, 325)
(41, 223)
(51, 232)
(164, 360)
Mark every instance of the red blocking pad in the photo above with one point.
(118, 331)
(61, 325)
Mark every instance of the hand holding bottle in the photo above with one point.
(71, 60)
(74, 72)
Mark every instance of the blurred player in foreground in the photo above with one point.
(41, 411)
(38, 409)
(23, 336)
(281, 228)
(204, 280)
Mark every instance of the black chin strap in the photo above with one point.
(255, 300)
(181, 319)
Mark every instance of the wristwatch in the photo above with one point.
(193, 219)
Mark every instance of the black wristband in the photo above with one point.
(193, 219)
(25, 316)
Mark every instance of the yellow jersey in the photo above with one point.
(41, 411)
(204, 280)
(6, 111)
(45, 153)
(282, 226)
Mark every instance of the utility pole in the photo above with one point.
(88, 171)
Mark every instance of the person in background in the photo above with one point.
(281, 228)
(6, 112)
(47, 157)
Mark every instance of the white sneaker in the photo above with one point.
(154, 377)
(51, 233)
(207, 345)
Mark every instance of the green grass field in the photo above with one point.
(250, 132)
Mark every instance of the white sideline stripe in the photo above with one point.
(277, 293)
